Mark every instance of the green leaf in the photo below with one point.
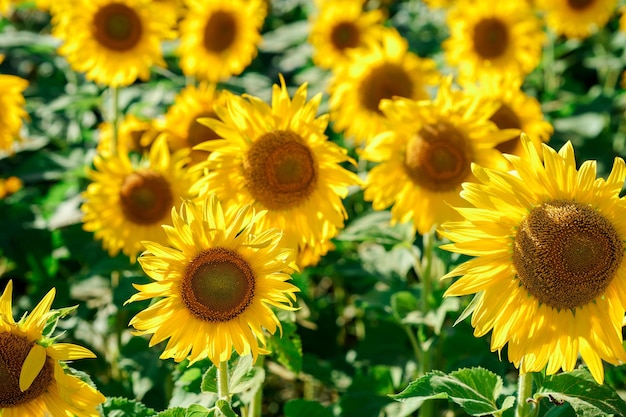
(197, 410)
(579, 389)
(123, 407)
(305, 408)
(287, 348)
(403, 303)
(209, 380)
(173, 412)
(475, 390)
(225, 408)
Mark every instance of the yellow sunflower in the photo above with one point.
(383, 71)
(134, 135)
(35, 383)
(517, 110)
(342, 26)
(548, 271)
(114, 42)
(577, 18)
(423, 161)
(219, 38)
(278, 159)
(9, 186)
(220, 276)
(488, 39)
(12, 104)
(181, 120)
(127, 201)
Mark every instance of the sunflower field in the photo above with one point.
(312, 208)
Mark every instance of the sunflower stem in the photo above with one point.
(425, 360)
(115, 111)
(524, 392)
(222, 382)
(257, 401)
(549, 74)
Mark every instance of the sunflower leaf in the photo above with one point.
(579, 390)
(306, 408)
(476, 390)
(287, 349)
(124, 407)
(225, 409)
(209, 380)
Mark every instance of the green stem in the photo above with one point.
(425, 361)
(524, 392)
(222, 382)
(257, 401)
(550, 83)
(115, 112)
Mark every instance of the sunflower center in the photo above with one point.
(197, 132)
(13, 352)
(491, 38)
(135, 137)
(218, 285)
(220, 31)
(437, 157)
(579, 4)
(280, 170)
(345, 35)
(117, 27)
(146, 197)
(506, 118)
(566, 254)
(385, 81)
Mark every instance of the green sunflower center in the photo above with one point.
(218, 285)
(146, 197)
(13, 352)
(491, 38)
(220, 31)
(438, 158)
(580, 4)
(345, 35)
(506, 118)
(280, 170)
(386, 81)
(117, 27)
(566, 253)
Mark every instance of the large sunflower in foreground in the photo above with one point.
(35, 382)
(113, 42)
(549, 272)
(220, 38)
(423, 161)
(12, 104)
(340, 27)
(278, 159)
(385, 70)
(488, 39)
(577, 18)
(128, 201)
(220, 276)
(181, 120)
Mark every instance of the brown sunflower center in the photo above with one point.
(566, 253)
(491, 38)
(345, 35)
(146, 197)
(198, 132)
(385, 81)
(13, 352)
(136, 140)
(218, 285)
(220, 31)
(280, 170)
(437, 157)
(506, 118)
(117, 27)
(580, 4)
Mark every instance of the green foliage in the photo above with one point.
(124, 407)
(304, 408)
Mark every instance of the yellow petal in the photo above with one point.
(32, 366)
(69, 352)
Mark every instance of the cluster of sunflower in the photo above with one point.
(225, 196)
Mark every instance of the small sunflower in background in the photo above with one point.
(181, 120)
(134, 135)
(340, 27)
(12, 103)
(9, 186)
(114, 42)
(424, 159)
(219, 38)
(549, 272)
(576, 19)
(385, 70)
(488, 39)
(220, 275)
(278, 158)
(35, 380)
(128, 201)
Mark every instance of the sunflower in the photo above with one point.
(219, 38)
(34, 381)
(113, 41)
(385, 70)
(134, 135)
(279, 159)
(548, 271)
(517, 110)
(9, 186)
(12, 104)
(488, 39)
(341, 27)
(181, 120)
(423, 161)
(577, 18)
(220, 276)
(128, 202)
